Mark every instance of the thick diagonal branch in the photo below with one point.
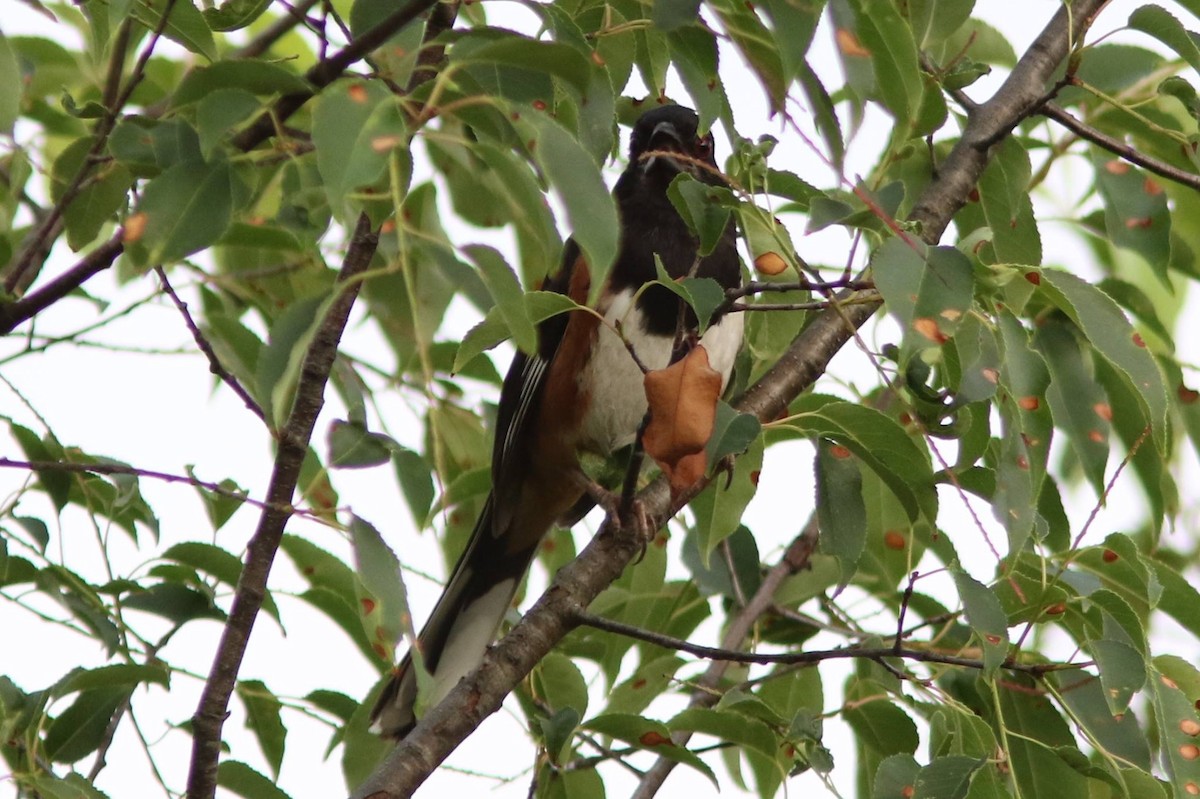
(252, 585)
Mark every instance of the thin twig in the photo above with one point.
(150, 474)
(1120, 148)
(811, 656)
(214, 363)
(293, 447)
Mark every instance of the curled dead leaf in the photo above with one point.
(683, 409)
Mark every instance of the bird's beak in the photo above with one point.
(665, 138)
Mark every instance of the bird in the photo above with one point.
(581, 391)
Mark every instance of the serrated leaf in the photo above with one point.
(947, 777)
(841, 512)
(895, 777)
(250, 75)
(727, 725)
(263, 719)
(502, 282)
(10, 87)
(79, 730)
(719, 508)
(1004, 198)
(893, 53)
(875, 438)
(352, 446)
(704, 208)
(576, 180)
(653, 736)
(382, 600)
(986, 617)
(883, 727)
(356, 126)
(115, 675)
(241, 779)
(1177, 720)
(182, 211)
(929, 290)
(185, 26)
(1110, 333)
(541, 305)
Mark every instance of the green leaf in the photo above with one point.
(841, 512)
(895, 777)
(220, 113)
(540, 305)
(56, 483)
(1078, 403)
(727, 725)
(929, 290)
(1176, 717)
(757, 46)
(263, 719)
(116, 675)
(1164, 26)
(175, 602)
(352, 446)
(220, 507)
(653, 736)
(883, 727)
(382, 601)
(241, 779)
(696, 58)
(562, 61)
(182, 211)
(668, 15)
(416, 481)
(1120, 735)
(719, 508)
(947, 777)
(576, 180)
(1004, 197)
(1122, 672)
(10, 87)
(223, 565)
(986, 617)
(875, 438)
(255, 76)
(356, 125)
(1110, 333)
(185, 25)
(79, 730)
(889, 41)
(1136, 214)
(233, 15)
(733, 432)
(1021, 467)
(502, 282)
(704, 208)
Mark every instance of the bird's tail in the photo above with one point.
(463, 623)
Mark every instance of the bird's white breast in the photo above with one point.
(618, 402)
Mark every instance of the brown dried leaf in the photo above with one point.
(683, 409)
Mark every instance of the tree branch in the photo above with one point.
(812, 656)
(293, 446)
(99, 259)
(214, 363)
(1120, 148)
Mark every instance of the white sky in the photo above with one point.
(159, 412)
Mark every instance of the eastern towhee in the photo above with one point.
(581, 391)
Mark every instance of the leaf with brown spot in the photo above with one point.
(683, 407)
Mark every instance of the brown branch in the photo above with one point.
(99, 259)
(1120, 148)
(293, 446)
(214, 363)
(812, 656)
